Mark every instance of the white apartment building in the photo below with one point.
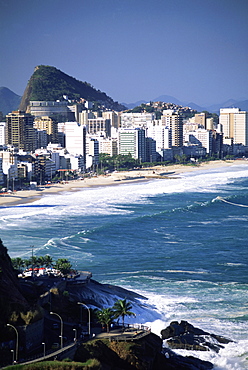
(99, 126)
(108, 145)
(2, 133)
(9, 165)
(162, 135)
(200, 137)
(114, 118)
(234, 125)
(92, 152)
(75, 138)
(136, 120)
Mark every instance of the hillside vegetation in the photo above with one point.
(50, 84)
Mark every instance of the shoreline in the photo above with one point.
(115, 178)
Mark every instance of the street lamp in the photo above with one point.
(44, 349)
(75, 337)
(61, 328)
(83, 304)
(16, 354)
(13, 356)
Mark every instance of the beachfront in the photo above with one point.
(26, 196)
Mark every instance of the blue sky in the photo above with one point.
(194, 50)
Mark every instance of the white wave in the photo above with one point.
(232, 264)
(110, 199)
(168, 308)
(188, 272)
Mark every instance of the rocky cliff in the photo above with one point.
(11, 297)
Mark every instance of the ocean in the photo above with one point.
(174, 241)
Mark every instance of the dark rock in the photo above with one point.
(183, 335)
(142, 354)
(10, 294)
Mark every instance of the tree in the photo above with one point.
(17, 263)
(122, 308)
(105, 317)
(63, 265)
(48, 261)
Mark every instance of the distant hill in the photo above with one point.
(50, 84)
(243, 105)
(9, 101)
(168, 99)
(215, 108)
(231, 103)
(136, 104)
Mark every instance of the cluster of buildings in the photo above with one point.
(40, 271)
(52, 137)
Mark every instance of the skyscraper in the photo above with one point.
(234, 125)
(174, 121)
(49, 125)
(133, 141)
(19, 130)
(75, 138)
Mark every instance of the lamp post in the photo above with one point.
(44, 349)
(75, 337)
(16, 354)
(61, 328)
(13, 356)
(83, 304)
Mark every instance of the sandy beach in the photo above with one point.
(115, 178)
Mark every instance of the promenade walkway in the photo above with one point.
(127, 334)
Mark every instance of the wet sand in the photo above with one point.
(115, 178)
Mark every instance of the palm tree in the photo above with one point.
(48, 261)
(17, 263)
(105, 317)
(122, 308)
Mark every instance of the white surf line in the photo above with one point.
(233, 204)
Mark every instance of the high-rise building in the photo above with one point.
(210, 123)
(200, 137)
(19, 130)
(49, 125)
(162, 135)
(75, 138)
(234, 125)
(113, 116)
(108, 145)
(200, 119)
(92, 149)
(133, 141)
(99, 125)
(174, 121)
(2, 133)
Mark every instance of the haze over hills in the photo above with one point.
(9, 101)
(215, 108)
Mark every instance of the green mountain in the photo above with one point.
(50, 84)
(9, 101)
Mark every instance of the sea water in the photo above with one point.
(173, 240)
